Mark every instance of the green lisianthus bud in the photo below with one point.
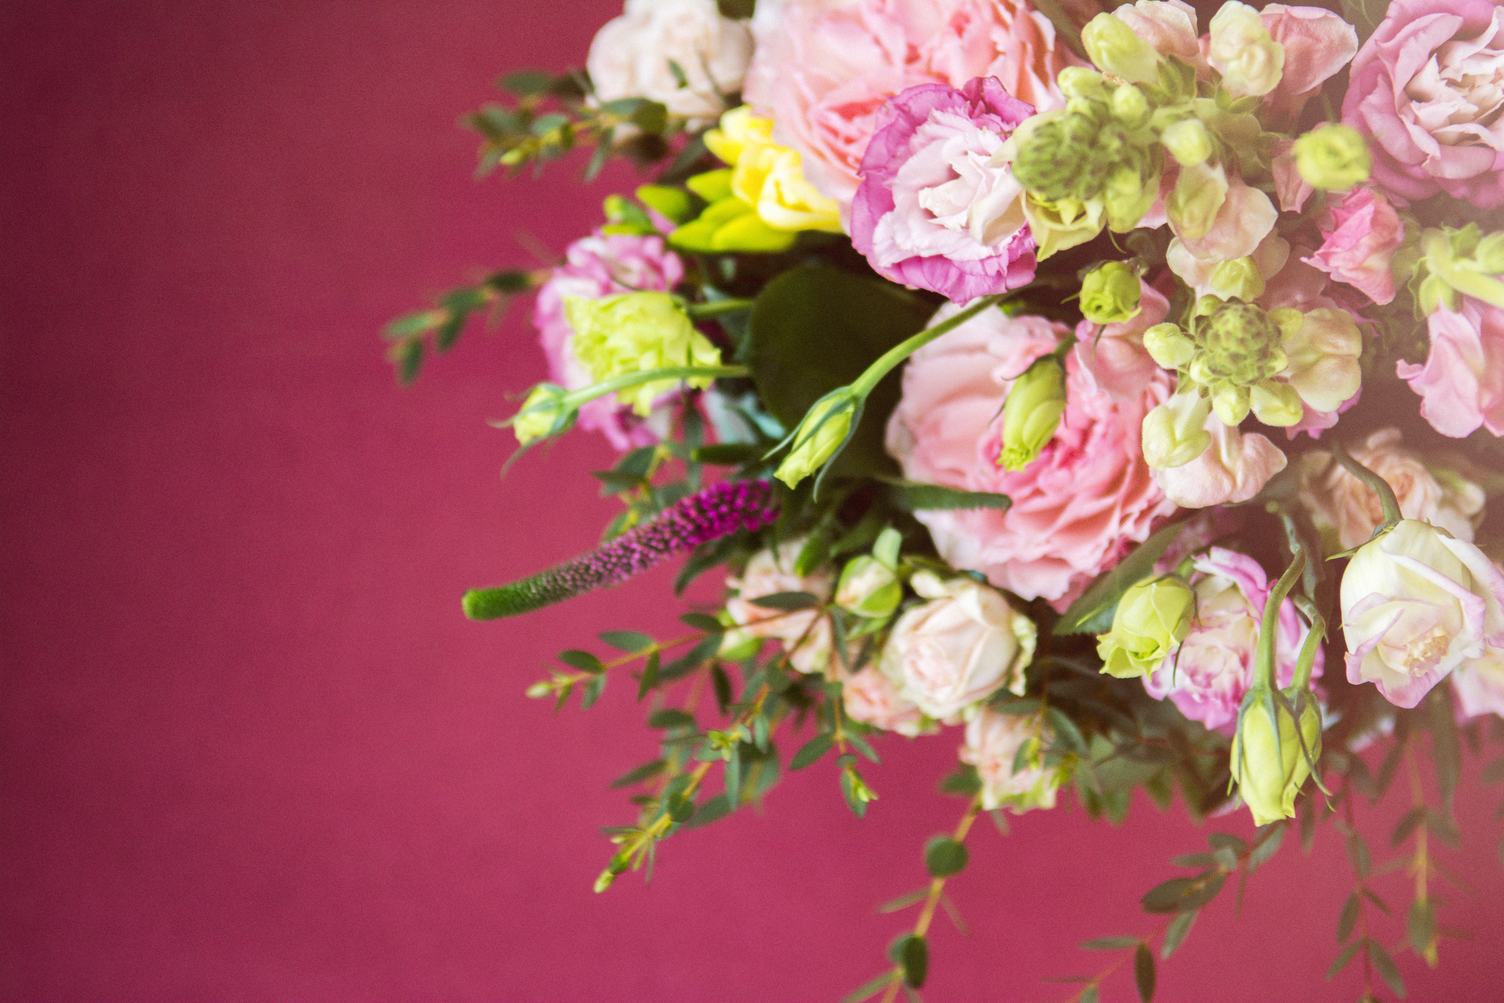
(1032, 412)
(1188, 141)
(633, 333)
(1273, 752)
(1129, 105)
(1174, 433)
(544, 414)
(822, 432)
(1117, 49)
(1333, 157)
(868, 588)
(1151, 620)
(1110, 293)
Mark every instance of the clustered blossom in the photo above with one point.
(805, 634)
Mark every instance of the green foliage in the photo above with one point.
(412, 335)
(943, 857)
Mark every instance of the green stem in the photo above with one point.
(1269, 628)
(889, 360)
(717, 308)
(585, 395)
(1375, 483)
(1306, 663)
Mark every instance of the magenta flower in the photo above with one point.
(934, 209)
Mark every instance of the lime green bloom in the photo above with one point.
(1460, 262)
(1333, 157)
(633, 333)
(1032, 412)
(1116, 49)
(1273, 752)
(1238, 279)
(1189, 141)
(1199, 194)
(822, 432)
(1110, 293)
(1062, 224)
(545, 413)
(1151, 620)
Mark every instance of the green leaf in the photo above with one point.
(1384, 965)
(1343, 957)
(736, 9)
(812, 751)
(1183, 894)
(1420, 925)
(1357, 852)
(1348, 918)
(1091, 994)
(527, 83)
(713, 810)
(582, 660)
(637, 775)
(408, 358)
(592, 692)
(1176, 932)
(863, 746)
(904, 901)
(914, 957)
(1143, 972)
(816, 328)
(1110, 943)
(1412, 820)
(649, 675)
(786, 602)
(670, 717)
(629, 641)
(1092, 613)
(681, 809)
(1271, 838)
(933, 497)
(702, 621)
(943, 856)
(869, 989)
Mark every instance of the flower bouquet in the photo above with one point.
(1113, 392)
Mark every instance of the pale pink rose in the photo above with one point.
(1349, 511)
(1479, 686)
(1461, 384)
(1213, 669)
(1317, 44)
(935, 210)
(1417, 604)
(596, 266)
(634, 54)
(1360, 234)
(993, 743)
(958, 648)
(823, 70)
(1078, 508)
(805, 634)
(1428, 90)
(1167, 25)
(1234, 468)
(871, 698)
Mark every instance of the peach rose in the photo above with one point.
(871, 698)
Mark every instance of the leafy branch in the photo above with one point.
(437, 328)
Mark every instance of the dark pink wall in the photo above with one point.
(251, 751)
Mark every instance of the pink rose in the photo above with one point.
(1214, 667)
(1359, 236)
(933, 210)
(822, 70)
(1317, 44)
(1462, 382)
(1346, 509)
(1428, 89)
(1077, 508)
(871, 698)
(596, 266)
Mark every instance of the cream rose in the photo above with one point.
(805, 634)
(1417, 604)
(871, 698)
(959, 648)
(992, 745)
(634, 55)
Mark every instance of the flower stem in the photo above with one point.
(1375, 483)
(585, 395)
(889, 360)
(717, 308)
(1269, 628)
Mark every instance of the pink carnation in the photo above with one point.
(934, 211)
(822, 70)
(1359, 236)
(595, 266)
(1214, 667)
(1462, 382)
(1428, 89)
(1077, 508)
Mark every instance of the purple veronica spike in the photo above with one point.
(743, 506)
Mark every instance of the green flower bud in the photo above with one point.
(1169, 346)
(1129, 106)
(1151, 620)
(1060, 225)
(1189, 142)
(1115, 48)
(1059, 155)
(1274, 750)
(1198, 196)
(1238, 279)
(1128, 194)
(1333, 157)
(545, 413)
(1174, 433)
(1032, 412)
(1110, 293)
(822, 432)
(868, 588)
(1460, 262)
(1079, 83)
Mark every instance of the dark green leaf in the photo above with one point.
(1270, 838)
(1384, 965)
(681, 809)
(811, 751)
(702, 621)
(649, 675)
(527, 83)
(863, 746)
(408, 357)
(786, 601)
(670, 717)
(1343, 957)
(721, 683)
(868, 989)
(1092, 613)
(1110, 943)
(1349, 917)
(713, 810)
(914, 956)
(592, 691)
(1412, 820)
(943, 856)
(964, 782)
(639, 774)
(933, 497)
(736, 9)
(582, 660)
(1420, 925)
(1183, 894)
(1091, 994)
(1143, 972)
(1176, 932)
(1357, 852)
(629, 641)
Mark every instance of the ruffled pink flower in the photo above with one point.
(823, 70)
(1359, 236)
(1214, 667)
(1428, 89)
(1317, 43)
(934, 211)
(1461, 384)
(1078, 508)
(596, 266)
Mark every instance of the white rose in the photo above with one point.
(634, 56)
(1417, 604)
(962, 646)
(871, 698)
(992, 744)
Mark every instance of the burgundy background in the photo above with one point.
(251, 751)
